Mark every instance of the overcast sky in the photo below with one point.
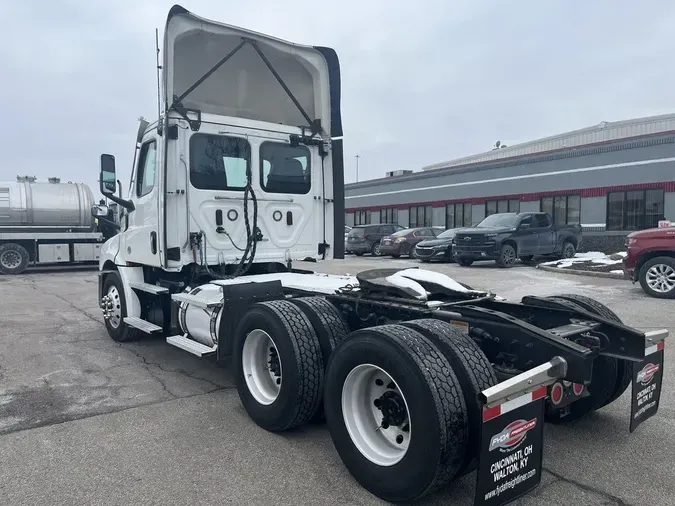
(423, 82)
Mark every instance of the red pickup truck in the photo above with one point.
(651, 261)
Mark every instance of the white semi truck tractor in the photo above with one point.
(49, 223)
(420, 378)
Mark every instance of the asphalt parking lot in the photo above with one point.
(84, 420)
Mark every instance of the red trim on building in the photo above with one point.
(668, 186)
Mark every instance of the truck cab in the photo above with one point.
(243, 165)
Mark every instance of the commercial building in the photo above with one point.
(612, 178)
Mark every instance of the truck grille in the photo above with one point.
(469, 240)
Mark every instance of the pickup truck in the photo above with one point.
(505, 237)
(650, 259)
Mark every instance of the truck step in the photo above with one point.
(187, 344)
(198, 301)
(141, 324)
(147, 287)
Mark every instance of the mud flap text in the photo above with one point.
(512, 437)
(646, 393)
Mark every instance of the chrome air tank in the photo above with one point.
(27, 204)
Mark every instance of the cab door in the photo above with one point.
(141, 241)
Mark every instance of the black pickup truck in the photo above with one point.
(504, 237)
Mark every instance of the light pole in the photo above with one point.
(357, 167)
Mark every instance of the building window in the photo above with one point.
(502, 206)
(458, 215)
(389, 215)
(564, 209)
(362, 218)
(635, 209)
(420, 216)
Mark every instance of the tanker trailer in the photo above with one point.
(43, 223)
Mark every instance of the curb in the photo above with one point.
(578, 272)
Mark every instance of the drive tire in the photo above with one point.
(14, 259)
(473, 370)
(601, 392)
(624, 367)
(667, 264)
(507, 256)
(123, 332)
(464, 261)
(435, 404)
(330, 327)
(302, 369)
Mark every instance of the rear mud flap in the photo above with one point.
(512, 444)
(512, 434)
(647, 379)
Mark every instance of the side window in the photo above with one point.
(147, 167)
(542, 221)
(527, 220)
(285, 168)
(218, 162)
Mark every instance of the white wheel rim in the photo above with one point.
(10, 259)
(112, 307)
(362, 390)
(661, 278)
(261, 365)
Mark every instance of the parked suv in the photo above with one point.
(404, 241)
(366, 238)
(651, 261)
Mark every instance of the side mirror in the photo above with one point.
(108, 176)
(99, 211)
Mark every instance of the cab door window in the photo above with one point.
(147, 168)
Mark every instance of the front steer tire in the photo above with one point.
(302, 369)
(118, 330)
(435, 403)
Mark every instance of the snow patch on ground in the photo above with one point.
(590, 260)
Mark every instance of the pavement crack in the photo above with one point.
(587, 488)
(148, 365)
(80, 310)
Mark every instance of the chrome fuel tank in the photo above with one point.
(27, 204)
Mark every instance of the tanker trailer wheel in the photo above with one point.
(396, 412)
(114, 308)
(14, 258)
(473, 370)
(609, 378)
(278, 365)
(330, 327)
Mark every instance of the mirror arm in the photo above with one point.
(119, 188)
(126, 204)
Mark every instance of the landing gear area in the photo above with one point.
(420, 379)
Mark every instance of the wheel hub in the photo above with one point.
(661, 278)
(261, 367)
(10, 259)
(393, 408)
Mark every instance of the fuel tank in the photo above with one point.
(28, 204)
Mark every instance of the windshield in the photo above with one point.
(448, 234)
(403, 232)
(499, 220)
